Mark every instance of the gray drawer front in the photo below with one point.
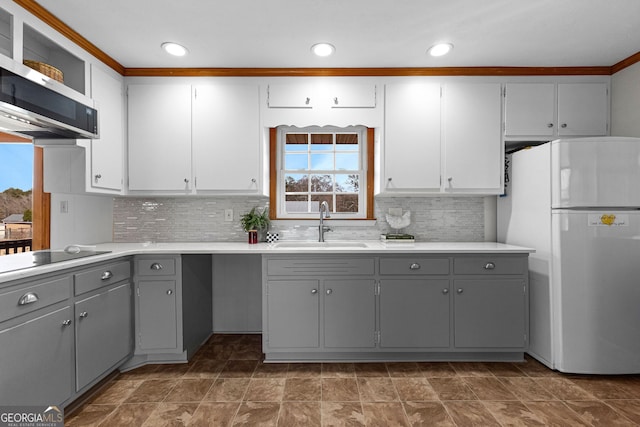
(414, 266)
(98, 277)
(320, 266)
(156, 267)
(490, 265)
(34, 297)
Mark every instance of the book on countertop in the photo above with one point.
(392, 237)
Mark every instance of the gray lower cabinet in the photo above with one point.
(37, 359)
(294, 314)
(157, 315)
(349, 313)
(103, 332)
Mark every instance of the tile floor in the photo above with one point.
(226, 384)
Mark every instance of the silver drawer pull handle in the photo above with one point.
(106, 275)
(84, 314)
(314, 291)
(156, 266)
(460, 290)
(28, 298)
(445, 291)
(169, 292)
(66, 322)
(414, 266)
(489, 266)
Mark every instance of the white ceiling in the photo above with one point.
(366, 33)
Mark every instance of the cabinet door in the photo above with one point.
(489, 313)
(529, 109)
(349, 313)
(293, 314)
(103, 333)
(471, 133)
(159, 137)
(353, 95)
(295, 95)
(412, 138)
(157, 315)
(37, 360)
(582, 109)
(107, 152)
(226, 138)
(414, 313)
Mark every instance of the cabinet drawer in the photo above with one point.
(414, 266)
(156, 267)
(490, 265)
(320, 266)
(31, 298)
(95, 278)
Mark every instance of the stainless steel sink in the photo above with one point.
(315, 245)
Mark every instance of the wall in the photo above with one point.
(625, 102)
(88, 219)
(202, 219)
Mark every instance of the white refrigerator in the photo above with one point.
(577, 202)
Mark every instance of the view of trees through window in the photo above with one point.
(16, 184)
(322, 166)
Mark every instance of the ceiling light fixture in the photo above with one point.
(440, 49)
(174, 49)
(323, 49)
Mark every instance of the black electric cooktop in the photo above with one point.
(24, 260)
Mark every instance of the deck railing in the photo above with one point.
(20, 245)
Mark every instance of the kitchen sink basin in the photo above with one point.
(314, 245)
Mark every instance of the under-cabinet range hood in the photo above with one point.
(33, 106)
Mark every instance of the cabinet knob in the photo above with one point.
(489, 266)
(314, 291)
(106, 275)
(329, 291)
(97, 177)
(186, 180)
(414, 266)
(170, 292)
(335, 100)
(28, 298)
(156, 266)
(450, 179)
(66, 322)
(564, 125)
(460, 290)
(549, 125)
(445, 291)
(253, 180)
(84, 314)
(307, 101)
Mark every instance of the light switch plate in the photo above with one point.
(228, 215)
(64, 206)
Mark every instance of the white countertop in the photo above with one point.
(371, 247)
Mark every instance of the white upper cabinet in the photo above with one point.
(553, 110)
(529, 109)
(294, 95)
(226, 138)
(353, 95)
(411, 154)
(583, 109)
(159, 136)
(471, 138)
(107, 152)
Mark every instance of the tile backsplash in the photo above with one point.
(201, 219)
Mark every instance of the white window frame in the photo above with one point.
(362, 171)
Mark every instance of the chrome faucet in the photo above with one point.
(324, 207)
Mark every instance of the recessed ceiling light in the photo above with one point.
(174, 49)
(440, 49)
(323, 49)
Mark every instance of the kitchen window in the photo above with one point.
(317, 164)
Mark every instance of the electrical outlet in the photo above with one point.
(395, 211)
(64, 206)
(228, 215)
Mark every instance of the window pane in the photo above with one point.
(321, 142)
(296, 161)
(321, 162)
(347, 142)
(317, 199)
(347, 203)
(321, 183)
(296, 183)
(296, 204)
(296, 142)
(347, 183)
(347, 161)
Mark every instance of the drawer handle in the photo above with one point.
(28, 298)
(169, 292)
(66, 322)
(106, 275)
(414, 266)
(489, 266)
(156, 266)
(83, 314)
